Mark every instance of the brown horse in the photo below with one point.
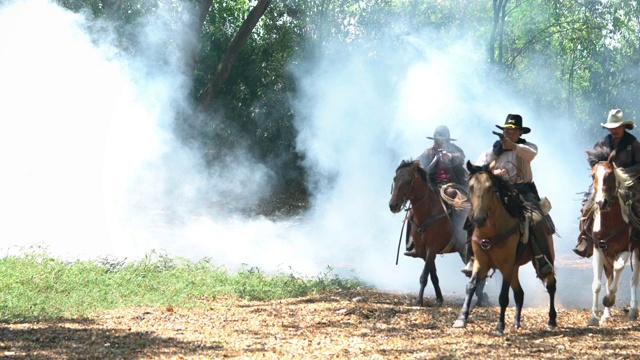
(497, 213)
(611, 236)
(434, 228)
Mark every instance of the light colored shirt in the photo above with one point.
(517, 163)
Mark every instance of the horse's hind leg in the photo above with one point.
(633, 304)
(596, 285)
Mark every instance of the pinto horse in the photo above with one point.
(434, 228)
(497, 213)
(611, 236)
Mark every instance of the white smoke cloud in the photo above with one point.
(93, 169)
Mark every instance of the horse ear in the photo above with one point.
(469, 166)
(612, 156)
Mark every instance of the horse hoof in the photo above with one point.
(439, 302)
(551, 325)
(498, 332)
(458, 324)
(593, 321)
(608, 301)
(633, 314)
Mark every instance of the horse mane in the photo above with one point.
(598, 154)
(422, 172)
(510, 198)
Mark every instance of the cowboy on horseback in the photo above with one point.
(444, 163)
(512, 156)
(626, 156)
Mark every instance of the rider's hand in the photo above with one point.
(499, 172)
(445, 155)
(508, 144)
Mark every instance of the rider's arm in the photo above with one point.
(527, 151)
(635, 168)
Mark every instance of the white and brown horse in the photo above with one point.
(612, 235)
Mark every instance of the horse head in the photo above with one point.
(603, 174)
(404, 184)
(487, 192)
(481, 193)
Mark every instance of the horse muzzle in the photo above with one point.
(395, 206)
(480, 220)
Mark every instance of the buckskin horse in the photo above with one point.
(612, 234)
(434, 228)
(497, 212)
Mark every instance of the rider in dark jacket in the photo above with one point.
(627, 157)
(444, 163)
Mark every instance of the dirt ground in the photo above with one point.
(364, 324)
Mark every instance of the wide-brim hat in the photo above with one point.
(441, 133)
(616, 119)
(514, 121)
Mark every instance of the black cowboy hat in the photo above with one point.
(514, 121)
(441, 133)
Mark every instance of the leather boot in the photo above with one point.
(543, 266)
(584, 247)
(468, 269)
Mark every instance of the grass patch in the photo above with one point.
(36, 286)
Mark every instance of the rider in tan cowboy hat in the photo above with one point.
(627, 157)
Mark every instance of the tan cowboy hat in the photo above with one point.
(514, 121)
(616, 119)
(441, 133)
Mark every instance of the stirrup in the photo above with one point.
(543, 265)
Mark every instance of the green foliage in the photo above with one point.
(576, 59)
(37, 287)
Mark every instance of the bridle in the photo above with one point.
(408, 195)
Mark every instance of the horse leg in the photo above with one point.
(431, 260)
(550, 284)
(633, 304)
(614, 278)
(518, 296)
(503, 300)
(596, 285)
(476, 278)
(424, 278)
(480, 295)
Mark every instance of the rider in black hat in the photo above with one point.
(513, 155)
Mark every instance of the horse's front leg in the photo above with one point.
(431, 265)
(503, 300)
(424, 278)
(550, 284)
(612, 280)
(633, 304)
(482, 298)
(518, 296)
(462, 319)
(596, 285)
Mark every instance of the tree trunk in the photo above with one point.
(238, 41)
